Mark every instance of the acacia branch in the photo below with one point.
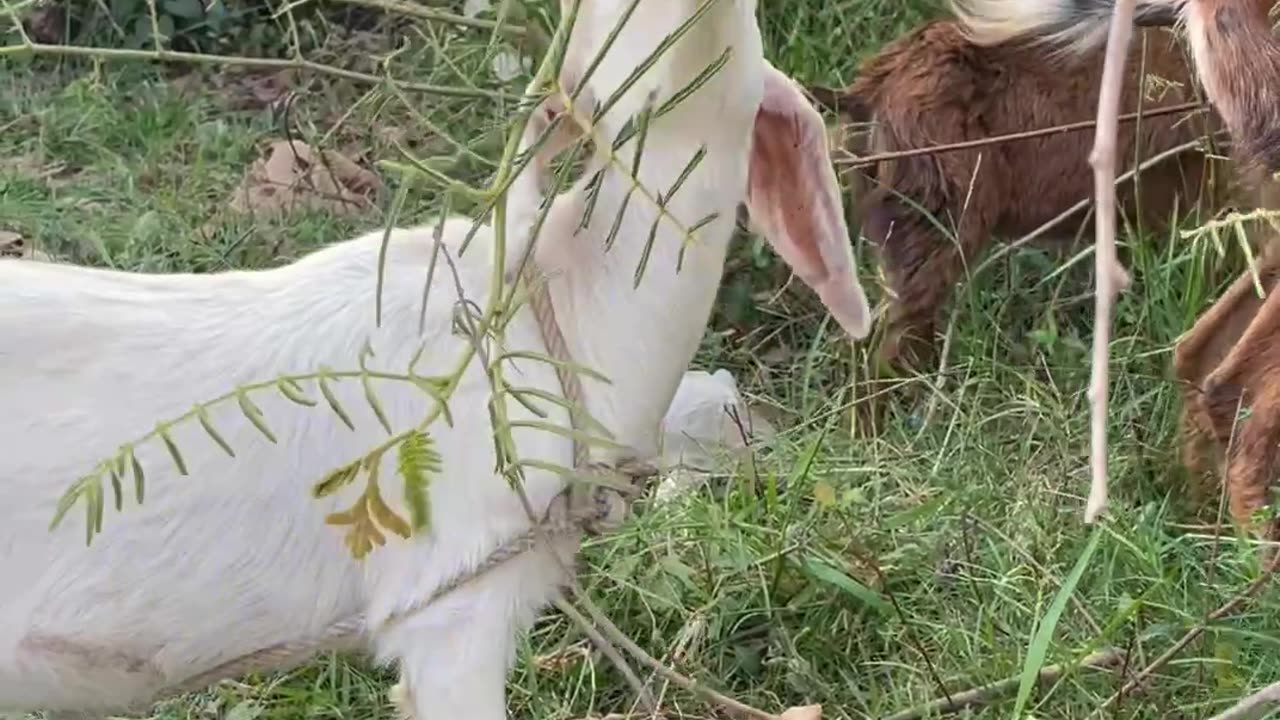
(1111, 276)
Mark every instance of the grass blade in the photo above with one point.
(1038, 650)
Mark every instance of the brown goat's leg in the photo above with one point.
(1253, 456)
(1202, 349)
(1216, 331)
(1245, 381)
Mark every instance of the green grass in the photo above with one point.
(937, 549)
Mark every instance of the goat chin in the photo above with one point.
(236, 556)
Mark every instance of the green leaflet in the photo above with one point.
(207, 424)
(332, 399)
(418, 461)
(254, 415)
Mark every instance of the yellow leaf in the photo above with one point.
(824, 494)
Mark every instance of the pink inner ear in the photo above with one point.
(781, 184)
(794, 198)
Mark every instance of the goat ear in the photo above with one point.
(794, 200)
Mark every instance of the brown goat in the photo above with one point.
(1237, 55)
(1226, 362)
(934, 86)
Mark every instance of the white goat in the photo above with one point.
(236, 556)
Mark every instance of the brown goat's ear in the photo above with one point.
(794, 199)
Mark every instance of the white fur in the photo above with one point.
(236, 556)
(1071, 26)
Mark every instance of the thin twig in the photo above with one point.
(856, 162)
(611, 631)
(643, 696)
(1061, 217)
(1111, 277)
(984, 694)
(1249, 707)
(176, 56)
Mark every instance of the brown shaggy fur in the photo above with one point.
(1228, 360)
(931, 216)
(1238, 58)
(933, 87)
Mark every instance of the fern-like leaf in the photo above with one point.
(437, 388)
(563, 364)
(139, 479)
(372, 398)
(117, 487)
(381, 512)
(68, 501)
(363, 534)
(418, 462)
(578, 435)
(337, 479)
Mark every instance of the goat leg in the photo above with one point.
(1201, 351)
(1242, 380)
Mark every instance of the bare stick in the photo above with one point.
(1249, 707)
(986, 693)
(611, 631)
(856, 162)
(1111, 277)
(643, 695)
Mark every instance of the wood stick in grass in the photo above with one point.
(1111, 277)
(1253, 706)
(986, 693)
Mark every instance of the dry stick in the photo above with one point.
(643, 696)
(1252, 589)
(1111, 277)
(611, 631)
(1249, 707)
(1026, 134)
(984, 694)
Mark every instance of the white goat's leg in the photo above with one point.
(454, 655)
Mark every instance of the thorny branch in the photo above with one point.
(1111, 277)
